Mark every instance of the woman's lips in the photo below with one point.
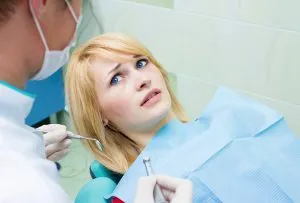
(151, 98)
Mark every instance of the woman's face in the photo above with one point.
(132, 95)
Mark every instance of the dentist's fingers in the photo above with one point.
(176, 190)
(145, 188)
(59, 155)
(54, 133)
(57, 143)
(56, 147)
(51, 127)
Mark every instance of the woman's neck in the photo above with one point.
(143, 138)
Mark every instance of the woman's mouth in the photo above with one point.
(151, 98)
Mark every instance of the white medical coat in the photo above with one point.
(25, 174)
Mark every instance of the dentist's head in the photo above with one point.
(36, 36)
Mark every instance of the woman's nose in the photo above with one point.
(142, 84)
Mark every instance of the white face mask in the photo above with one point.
(53, 60)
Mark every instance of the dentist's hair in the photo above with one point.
(118, 150)
(7, 8)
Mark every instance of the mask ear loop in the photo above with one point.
(72, 11)
(38, 27)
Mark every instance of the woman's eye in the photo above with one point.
(141, 63)
(116, 79)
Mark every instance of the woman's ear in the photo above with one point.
(105, 122)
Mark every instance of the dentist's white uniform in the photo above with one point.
(26, 176)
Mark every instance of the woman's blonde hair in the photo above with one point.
(118, 150)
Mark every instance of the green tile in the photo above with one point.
(74, 171)
(161, 3)
(173, 81)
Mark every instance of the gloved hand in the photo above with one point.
(57, 143)
(175, 190)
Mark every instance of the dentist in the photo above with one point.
(36, 36)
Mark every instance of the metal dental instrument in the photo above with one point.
(79, 137)
(157, 193)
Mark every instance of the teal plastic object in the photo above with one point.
(98, 170)
(95, 190)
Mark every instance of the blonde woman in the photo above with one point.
(119, 114)
(120, 95)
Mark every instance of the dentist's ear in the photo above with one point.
(39, 7)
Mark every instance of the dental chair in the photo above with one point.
(103, 182)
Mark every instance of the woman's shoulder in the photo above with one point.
(254, 115)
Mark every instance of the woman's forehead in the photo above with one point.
(103, 65)
(106, 60)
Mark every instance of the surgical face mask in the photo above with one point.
(54, 59)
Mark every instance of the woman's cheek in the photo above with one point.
(117, 107)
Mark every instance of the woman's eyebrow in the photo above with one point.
(114, 69)
(118, 65)
(137, 56)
